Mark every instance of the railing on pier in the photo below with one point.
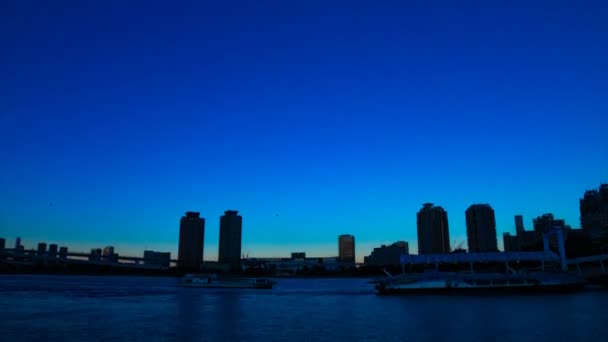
(595, 259)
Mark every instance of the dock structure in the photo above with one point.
(480, 257)
(505, 257)
(597, 260)
(472, 258)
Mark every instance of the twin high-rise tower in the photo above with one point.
(231, 226)
(481, 228)
(433, 230)
(192, 238)
(191, 241)
(434, 234)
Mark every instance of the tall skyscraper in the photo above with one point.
(231, 226)
(191, 240)
(433, 230)
(519, 224)
(18, 243)
(346, 248)
(481, 228)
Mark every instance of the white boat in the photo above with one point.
(447, 282)
(213, 281)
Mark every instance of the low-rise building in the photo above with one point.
(41, 249)
(160, 259)
(63, 252)
(53, 250)
(298, 255)
(387, 255)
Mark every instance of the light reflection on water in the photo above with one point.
(75, 308)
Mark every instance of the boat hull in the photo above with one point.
(231, 286)
(452, 283)
(214, 282)
(557, 288)
(598, 279)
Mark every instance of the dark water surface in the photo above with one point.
(79, 308)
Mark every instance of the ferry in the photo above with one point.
(456, 282)
(213, 281)
(546, 278)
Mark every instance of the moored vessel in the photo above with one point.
(515, 278)
(213, 281)
(453, 282)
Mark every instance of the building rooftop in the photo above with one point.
(480, 205)
(193, 214)
(431, 206)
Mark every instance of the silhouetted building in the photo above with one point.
(346, 248)
(578, 243)
(95, 254)
(108, 254)
(41, 249)
(519, 224)
(387, 255)
(547, 221)
(191, 239)
(160, 259)
(231, 225)
(508, 242)
(18, 243)
(533, 240)
(63, 252)
(433, 230)
(2, 243)
(523, 240)
(298, 255)
(108, 251)
(53, 250)
(481, 228)
(594, 217)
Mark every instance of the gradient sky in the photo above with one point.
(116, 117)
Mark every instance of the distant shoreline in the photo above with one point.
(178, 275)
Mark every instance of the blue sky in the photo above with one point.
(339, 117)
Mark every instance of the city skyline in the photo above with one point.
(311, 119)
(538, 224)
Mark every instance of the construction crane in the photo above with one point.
(456, 245)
